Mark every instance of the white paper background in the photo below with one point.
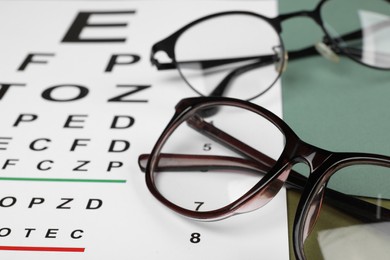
(131, 224)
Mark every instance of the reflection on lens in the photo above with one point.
(339, 233)
(234, 55)
(361, 28)
(199, 168)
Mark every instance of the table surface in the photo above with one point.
(336, 106)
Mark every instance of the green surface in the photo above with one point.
(339, 107)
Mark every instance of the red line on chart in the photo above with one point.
(43, 249)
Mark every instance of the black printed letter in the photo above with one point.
(82, 21)
(131, 59)
(136, 88)
(5, 86)
(30, 59)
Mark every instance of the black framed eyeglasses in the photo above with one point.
(344, 208)
(241, 54)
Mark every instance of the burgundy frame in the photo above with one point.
(322, 164)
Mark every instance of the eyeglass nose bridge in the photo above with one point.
(312, 14)
(314, 158)
(322, 47)
(310, 155)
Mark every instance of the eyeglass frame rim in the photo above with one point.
(168, 45)
(293, 149)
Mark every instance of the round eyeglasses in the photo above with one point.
(344, 208)
(241, 54)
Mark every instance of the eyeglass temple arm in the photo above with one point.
(224, 83)
(302, 53)
(195, 162)
(262, 61)
(205, 64)
(175, 162)
(358, 208)
(259, 61)
(219, 90)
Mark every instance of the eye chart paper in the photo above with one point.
(79, 101)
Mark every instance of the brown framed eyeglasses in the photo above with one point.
(208, 165)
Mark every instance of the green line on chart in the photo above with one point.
(62, 180)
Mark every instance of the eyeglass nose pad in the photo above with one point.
(327, 52)
(266, 194)
(314, 211)
(281, 64)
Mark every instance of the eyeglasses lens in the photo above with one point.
(361, 28)
(195, 171)
(339, 233)
(232, 55)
